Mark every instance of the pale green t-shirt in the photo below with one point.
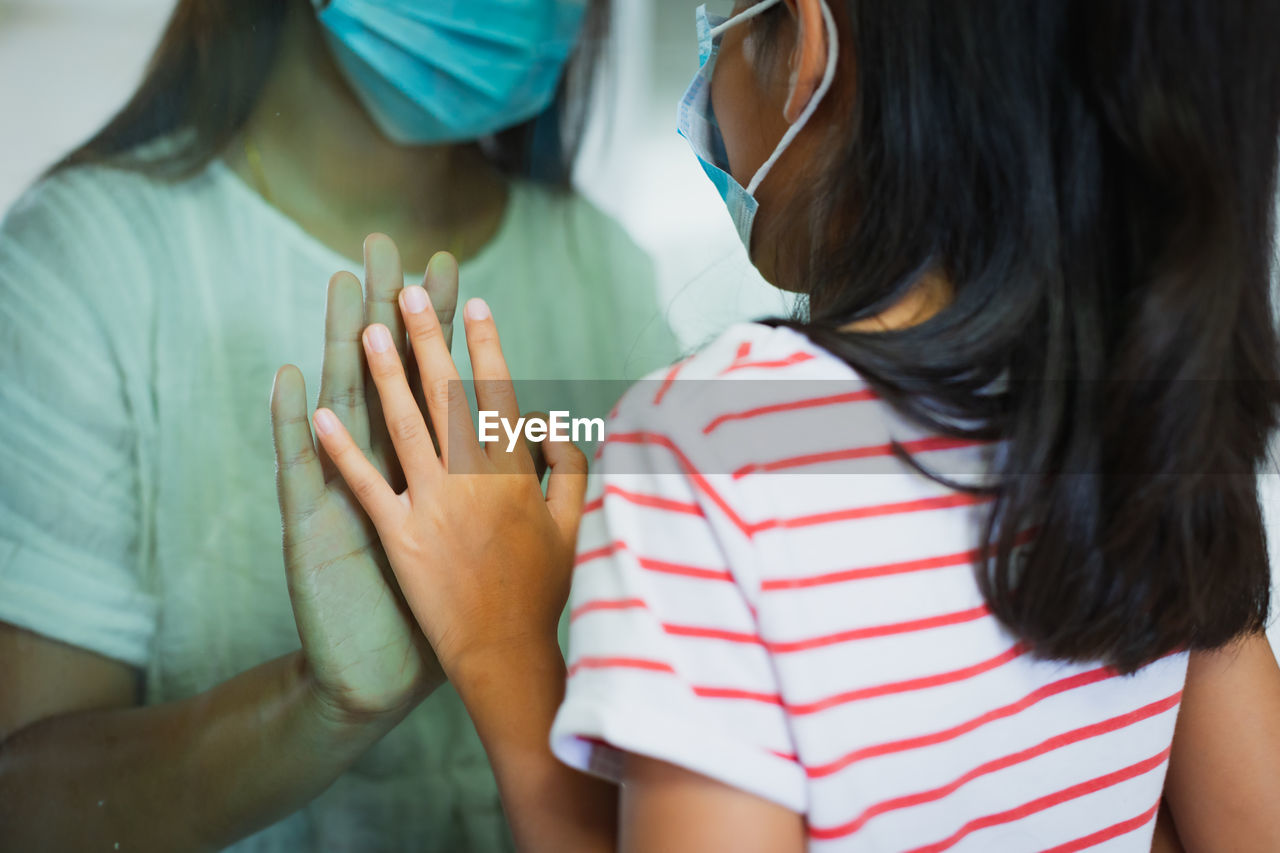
(141, 323)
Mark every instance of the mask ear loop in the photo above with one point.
(828, 76)
(744, 15)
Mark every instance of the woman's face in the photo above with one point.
(753, 96)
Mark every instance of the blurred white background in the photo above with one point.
(67, 65)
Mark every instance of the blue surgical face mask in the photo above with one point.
(434, 71)
(697, 122)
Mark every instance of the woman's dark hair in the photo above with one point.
(1096, 180)
(213, 60)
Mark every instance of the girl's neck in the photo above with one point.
(321, 160)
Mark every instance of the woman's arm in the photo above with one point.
(81, 769)
(1223, 786)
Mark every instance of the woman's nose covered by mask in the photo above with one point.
(434, 71)
(697, 123)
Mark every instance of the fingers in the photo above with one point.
(441, 284)
(494, 391)
(299, 476)
(404, 420)
(445, 398)
(383, 281)
(380, 502)
(566, 487)
(342, 377)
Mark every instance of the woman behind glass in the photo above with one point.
(148, 287)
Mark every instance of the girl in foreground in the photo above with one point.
(1036, 240)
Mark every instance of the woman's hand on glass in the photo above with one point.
(483, 558)
(366, 655)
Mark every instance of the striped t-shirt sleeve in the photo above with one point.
(664, 657)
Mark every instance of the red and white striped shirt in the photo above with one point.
(765, 595)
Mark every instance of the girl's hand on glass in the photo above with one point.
(366, 655)
(483, 558)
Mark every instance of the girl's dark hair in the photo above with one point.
(1096, 179)
(214, 58)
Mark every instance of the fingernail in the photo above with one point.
(378, 337)
(325, 421)
(477, 309)
(414, 299)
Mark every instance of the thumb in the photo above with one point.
(566, 487)
(300, 481)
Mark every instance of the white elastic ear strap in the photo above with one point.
(744, 15)
(829, 75)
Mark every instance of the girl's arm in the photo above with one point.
(1223, 786)
(1165, 837)
(512, 700)
(667, 808)
(551, 807)
(484, 561)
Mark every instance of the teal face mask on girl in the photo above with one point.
(696, 120)
(435, 71)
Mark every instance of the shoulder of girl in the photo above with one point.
(724, 399)
(749, 352)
